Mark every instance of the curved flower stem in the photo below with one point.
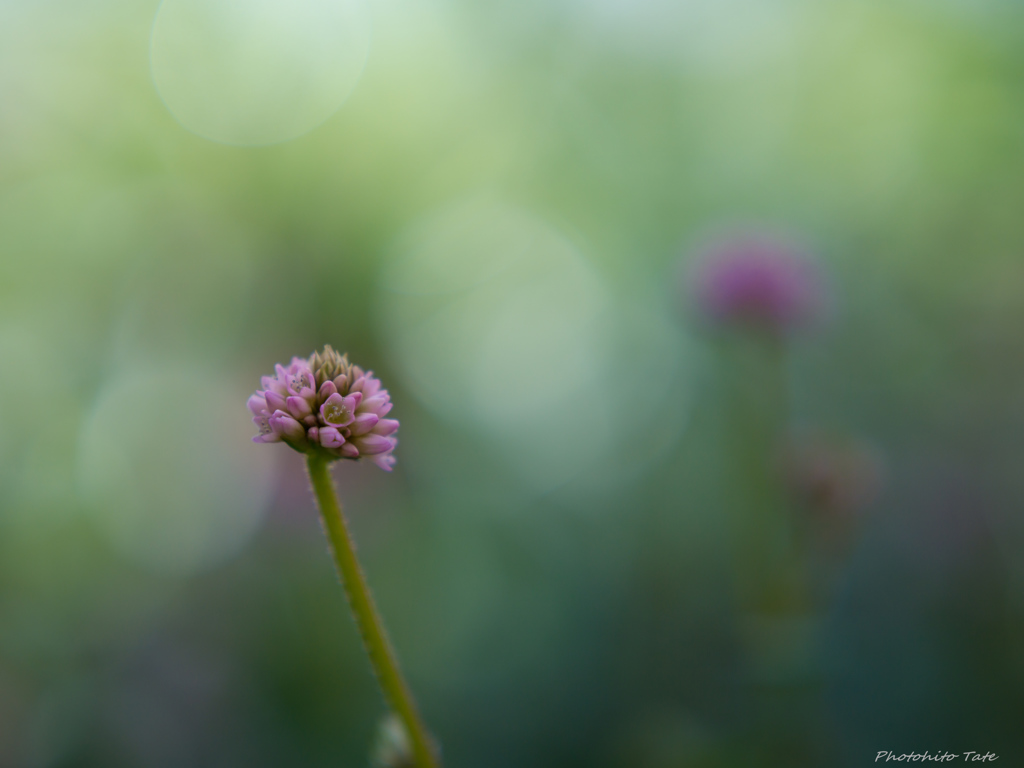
(375, 639)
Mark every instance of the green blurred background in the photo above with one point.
(496, 221)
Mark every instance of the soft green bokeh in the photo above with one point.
(497, 222)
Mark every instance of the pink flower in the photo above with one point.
(326, 404)
(755, 281)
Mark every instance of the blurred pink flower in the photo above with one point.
(757, 281)
(326, 404)
(832, 477)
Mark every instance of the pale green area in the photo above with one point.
(494, 222)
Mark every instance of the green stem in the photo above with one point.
(382, 656)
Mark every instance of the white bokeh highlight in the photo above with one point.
(167, 469)
(253, 72)
(495, 320)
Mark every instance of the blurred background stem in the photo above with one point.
(378, 647)
(770, 578)
(777, 618)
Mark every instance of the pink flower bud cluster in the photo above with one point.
(755, 281)
(326, 404)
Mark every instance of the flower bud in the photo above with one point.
(757, 282)
(325, 404)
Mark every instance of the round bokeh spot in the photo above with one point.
(496, 320)
(251, 72)
(167, 468)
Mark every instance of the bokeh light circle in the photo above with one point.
(251, 72)
(167, 469)
(496, 320)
